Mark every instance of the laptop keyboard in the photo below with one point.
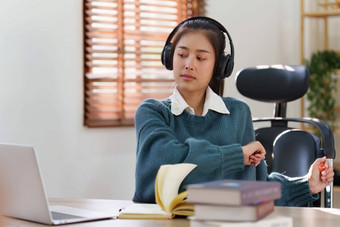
(63, 216)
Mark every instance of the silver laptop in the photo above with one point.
(22, 192)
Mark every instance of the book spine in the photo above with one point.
(274, 221)
(264, 209)
(258, 195)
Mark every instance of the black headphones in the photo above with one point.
(225, 62)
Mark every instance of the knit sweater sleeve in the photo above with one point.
(157, 144)
(295, 191)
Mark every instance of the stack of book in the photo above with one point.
(226, 203)
(235, 203)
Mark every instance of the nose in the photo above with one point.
(189, 65)
(189, 68)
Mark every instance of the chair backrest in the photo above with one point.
(293, 157)
(267, 136)
(289, 150)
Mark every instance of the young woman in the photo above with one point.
(197, 125)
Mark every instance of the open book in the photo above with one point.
(168, 202)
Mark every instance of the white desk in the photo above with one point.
(303, 217)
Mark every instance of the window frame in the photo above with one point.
(98, 105)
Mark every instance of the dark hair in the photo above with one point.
(216, 38)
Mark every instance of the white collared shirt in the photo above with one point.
(212, 102)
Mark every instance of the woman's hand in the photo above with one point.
(320, 175)
(253, 153)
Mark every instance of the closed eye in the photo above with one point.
(201, 59)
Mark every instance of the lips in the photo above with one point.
(187, 77)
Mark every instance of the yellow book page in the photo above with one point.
(177, 200)
(173, 178)
(174, 175)
(144, 211)
(184, 209)
(179, 206)
(159, 185)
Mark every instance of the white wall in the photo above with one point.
(263, 32)
(41, 85)
(41, 95)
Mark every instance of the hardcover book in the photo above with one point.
(272, 220)
(233, 213)
(233, 192)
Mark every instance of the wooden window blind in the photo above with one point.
(123, 40)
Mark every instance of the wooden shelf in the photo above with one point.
(325, 13)
(336, 165)
(336, 188)
(326, 3)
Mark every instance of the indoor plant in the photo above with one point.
(322, 85)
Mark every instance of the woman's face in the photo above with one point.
(193, 62)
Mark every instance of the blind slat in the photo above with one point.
(102, 6)
(138, 80)
(131, 35)
(91, 50)
(143, 23)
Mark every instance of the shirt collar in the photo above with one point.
(212, 102)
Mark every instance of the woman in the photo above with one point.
(195, 125)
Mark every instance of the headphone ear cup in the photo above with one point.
(229, 66)
(221, 66)
(166, 57)
(225, 66)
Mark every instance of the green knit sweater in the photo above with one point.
(213, 142)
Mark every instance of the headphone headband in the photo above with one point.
(215, 22)
(225, 63)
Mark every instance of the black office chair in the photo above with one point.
(290, 150)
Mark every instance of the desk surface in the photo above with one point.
(302, 216)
